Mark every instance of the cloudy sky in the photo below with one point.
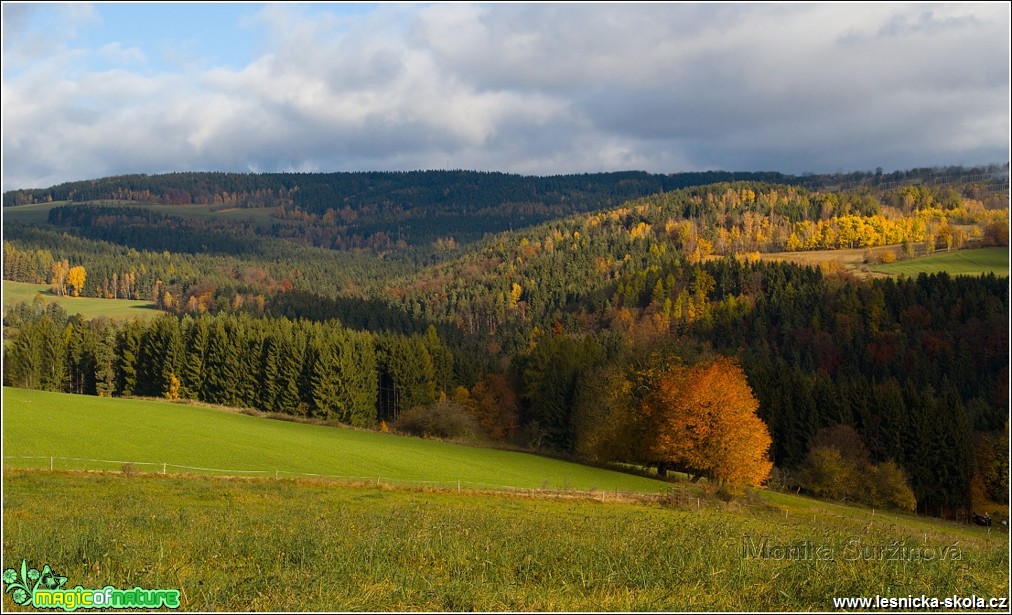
(108, 89)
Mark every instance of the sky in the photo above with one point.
(93, 90)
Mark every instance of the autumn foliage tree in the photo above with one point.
(496, 406)
(702, 420)
(58, 277)
(75, 279)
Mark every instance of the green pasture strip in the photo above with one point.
(38, 425)
(961, 262)
(202, 212)
(88, 307)
(34, 214)
(284, 545)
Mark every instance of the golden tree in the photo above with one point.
(75, 279)
(702, 420)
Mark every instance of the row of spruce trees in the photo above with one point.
(300, 368)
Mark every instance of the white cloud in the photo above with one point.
(527, 88)
(117, 53)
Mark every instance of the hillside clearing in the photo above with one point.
(970, 261)
(87, 307)
(960, 262)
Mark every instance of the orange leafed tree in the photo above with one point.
(702, 420)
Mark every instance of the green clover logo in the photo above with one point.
(22, 586)
(20, 596)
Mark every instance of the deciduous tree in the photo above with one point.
(703, 420)
(75, 279)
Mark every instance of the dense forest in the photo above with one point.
(553, 313)
(381, 211)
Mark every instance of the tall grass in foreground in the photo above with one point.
(283, 545)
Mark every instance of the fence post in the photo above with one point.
(165, 466)
(50, 463)
(458, 486)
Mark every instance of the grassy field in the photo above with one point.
(40, 424)
(413, 541)
(974, 261)
(961, 262)
(285, 545)
(35, 214)
(88, 307)
(851, 261)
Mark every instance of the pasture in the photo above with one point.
(287, 545)
(851, 260)
(88, 307)
(161, 435)
(960, 262)
(399, 533)
(970, 261)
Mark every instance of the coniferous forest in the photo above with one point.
(572, 314)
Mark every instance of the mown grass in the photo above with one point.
(960, 262)
(34, 214)
(87, 307)
(42, 424)
(284, 545)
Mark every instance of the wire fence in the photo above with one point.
(53, 463)
(673, 498)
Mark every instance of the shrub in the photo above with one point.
(443, 419)
(995, 234)
(839, 467)
(829, 474)
(729, 491)
(889, 488)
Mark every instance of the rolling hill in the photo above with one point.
(38, 425)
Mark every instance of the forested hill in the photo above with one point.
(465, 191)
(552, 334)
(381, 211)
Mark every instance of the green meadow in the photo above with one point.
(961, 262)
(287, 545)
(401, 534)
(88, 307)
(38, 425)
